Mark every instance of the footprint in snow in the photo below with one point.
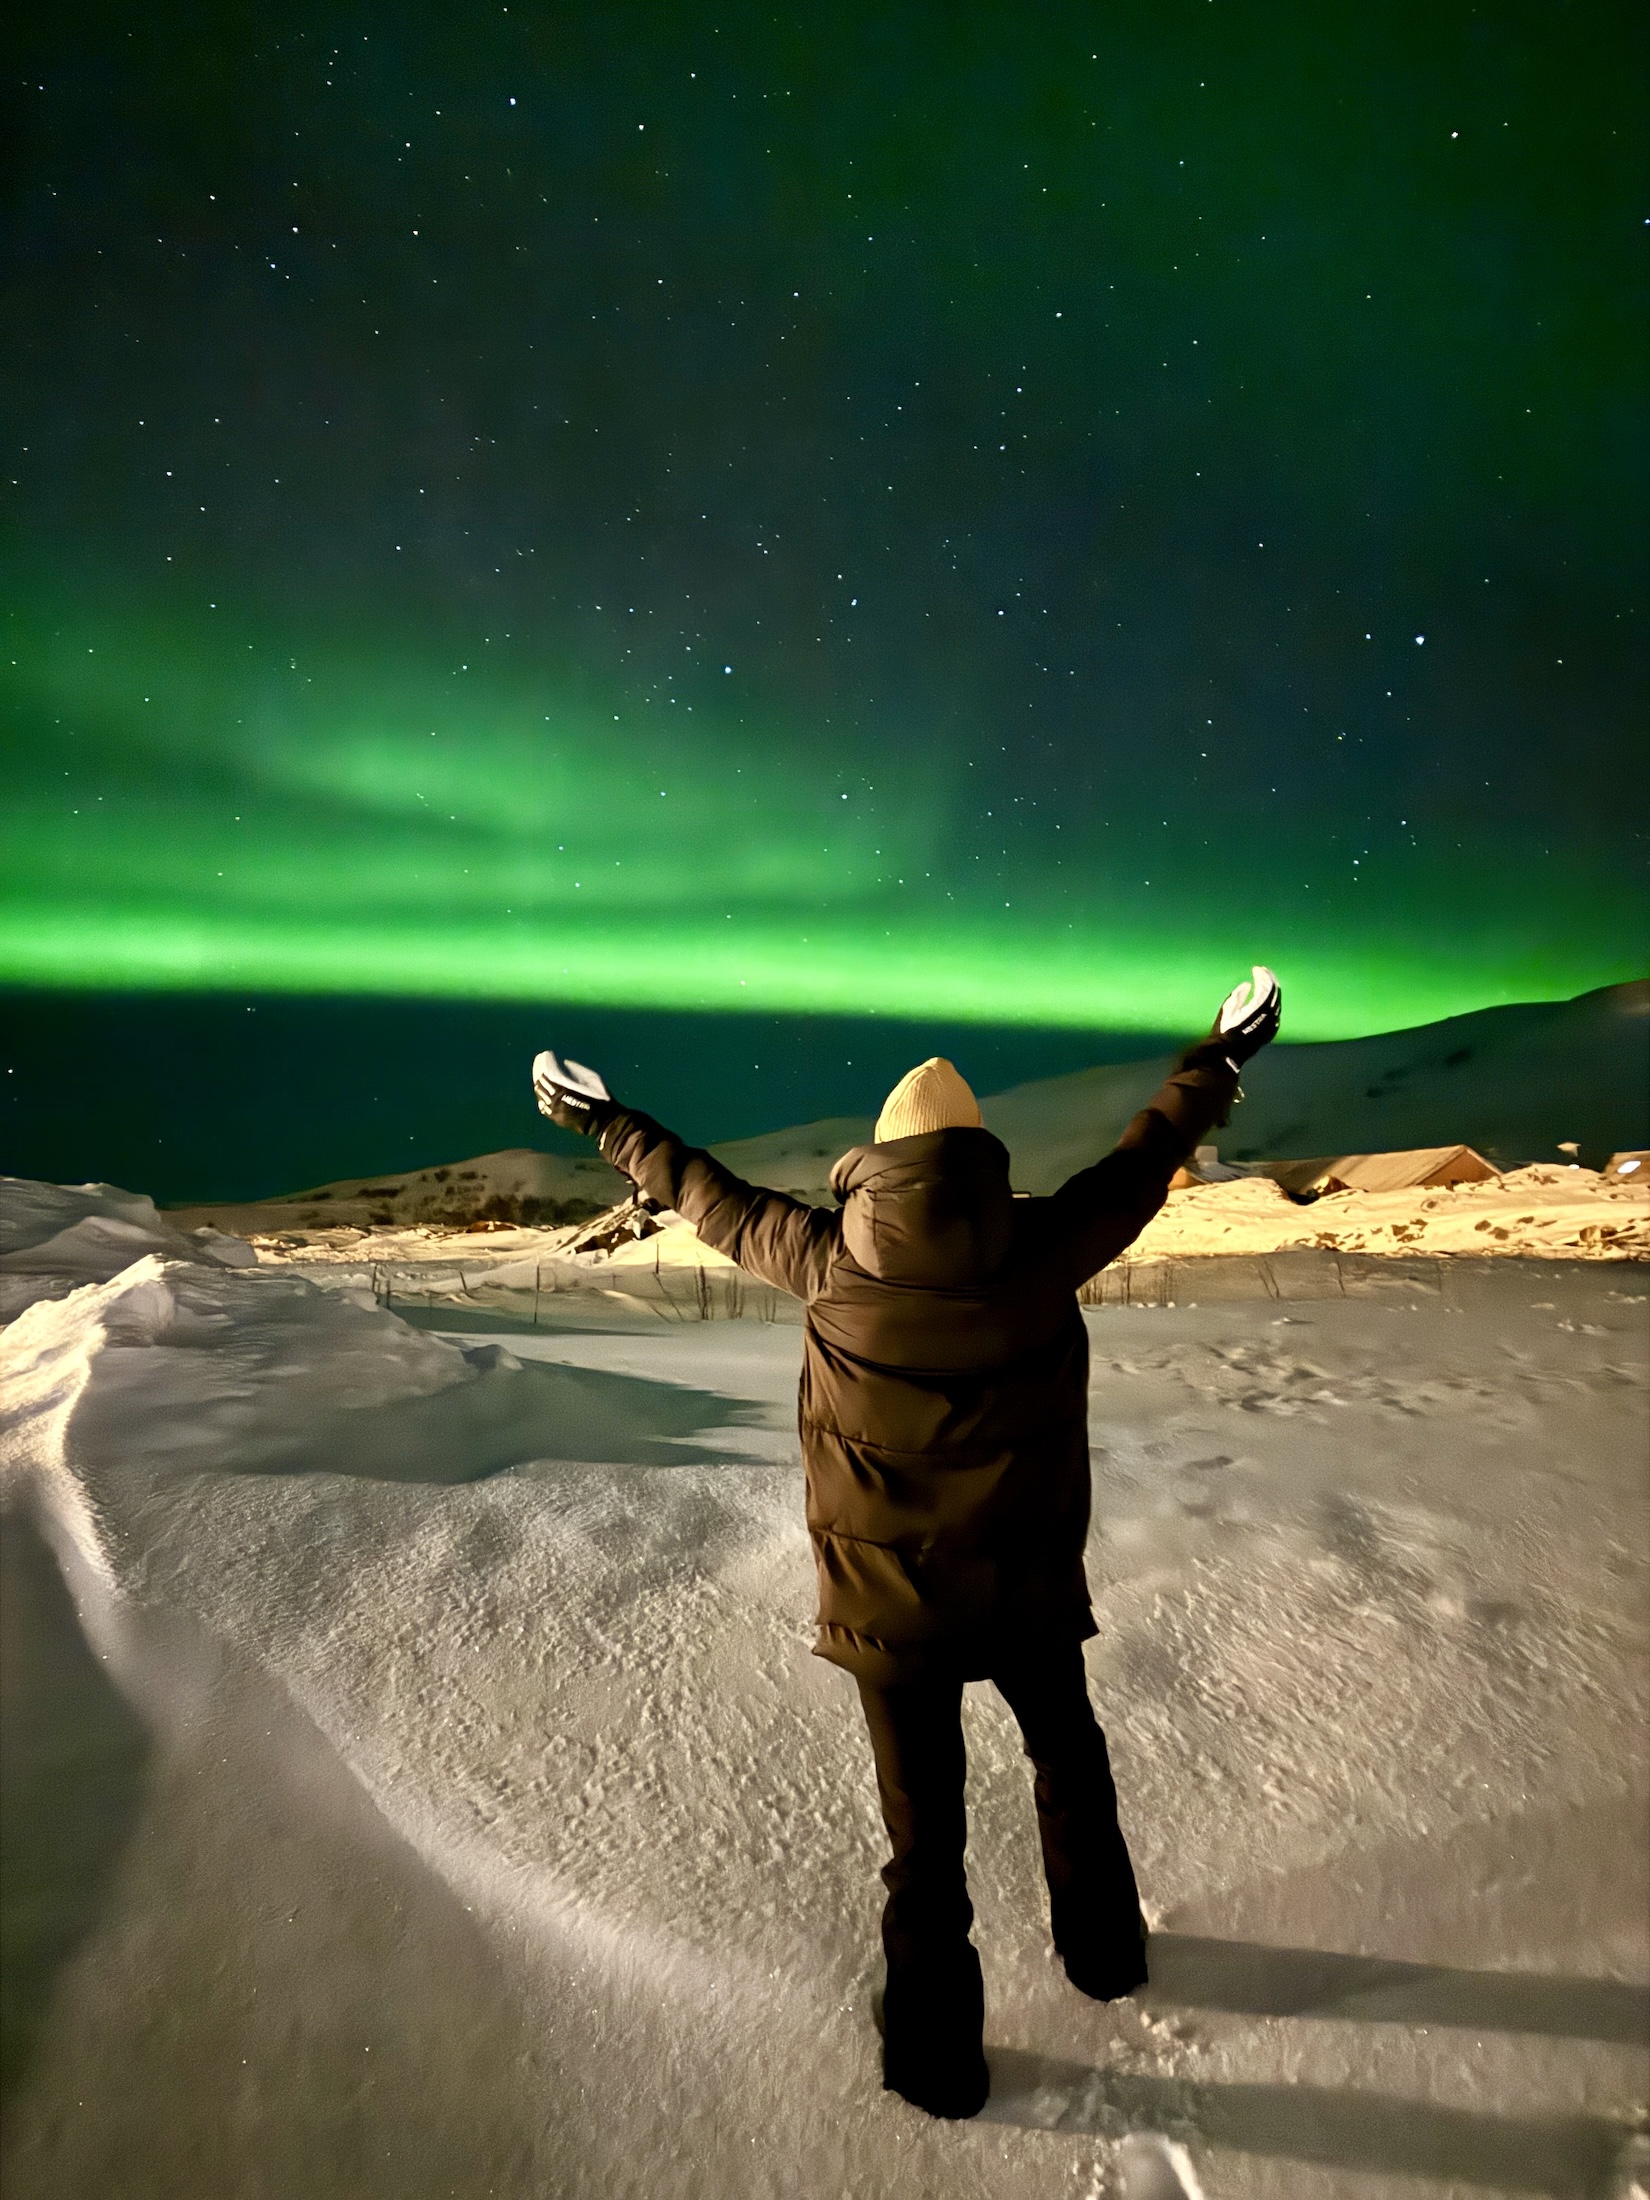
(1156, 2168)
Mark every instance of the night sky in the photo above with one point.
(986, 516)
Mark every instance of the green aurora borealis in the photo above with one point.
(1165, 489)
(414, 824)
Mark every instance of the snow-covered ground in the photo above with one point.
(423, 1786)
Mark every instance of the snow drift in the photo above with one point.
(55, 1237)
(494, 1831)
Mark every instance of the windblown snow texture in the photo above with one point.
(500, 1834)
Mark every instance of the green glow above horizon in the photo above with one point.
(971, 973)
(198, 803)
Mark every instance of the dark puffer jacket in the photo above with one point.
(944, 1401)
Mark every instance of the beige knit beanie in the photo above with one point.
(931, 1097)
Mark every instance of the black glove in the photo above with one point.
(574, 1098)
(1249, 1017)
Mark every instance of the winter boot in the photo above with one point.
(932, 2027)
(1106, 1968)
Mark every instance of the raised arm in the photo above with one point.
(778, 1239)
(1103, 1209)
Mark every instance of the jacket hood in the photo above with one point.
(934, 1209)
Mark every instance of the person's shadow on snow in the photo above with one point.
(511, 1416)
(1341, 2128)
(1260, 1981)
(498, 1415)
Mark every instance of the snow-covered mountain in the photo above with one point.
(515, 1185)
(1513, 1082)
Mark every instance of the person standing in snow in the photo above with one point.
(944, 1424)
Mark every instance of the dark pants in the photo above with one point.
(916, 1734)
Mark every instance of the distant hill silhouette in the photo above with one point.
(1512, 1082)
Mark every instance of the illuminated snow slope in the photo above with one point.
(394, 1832)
